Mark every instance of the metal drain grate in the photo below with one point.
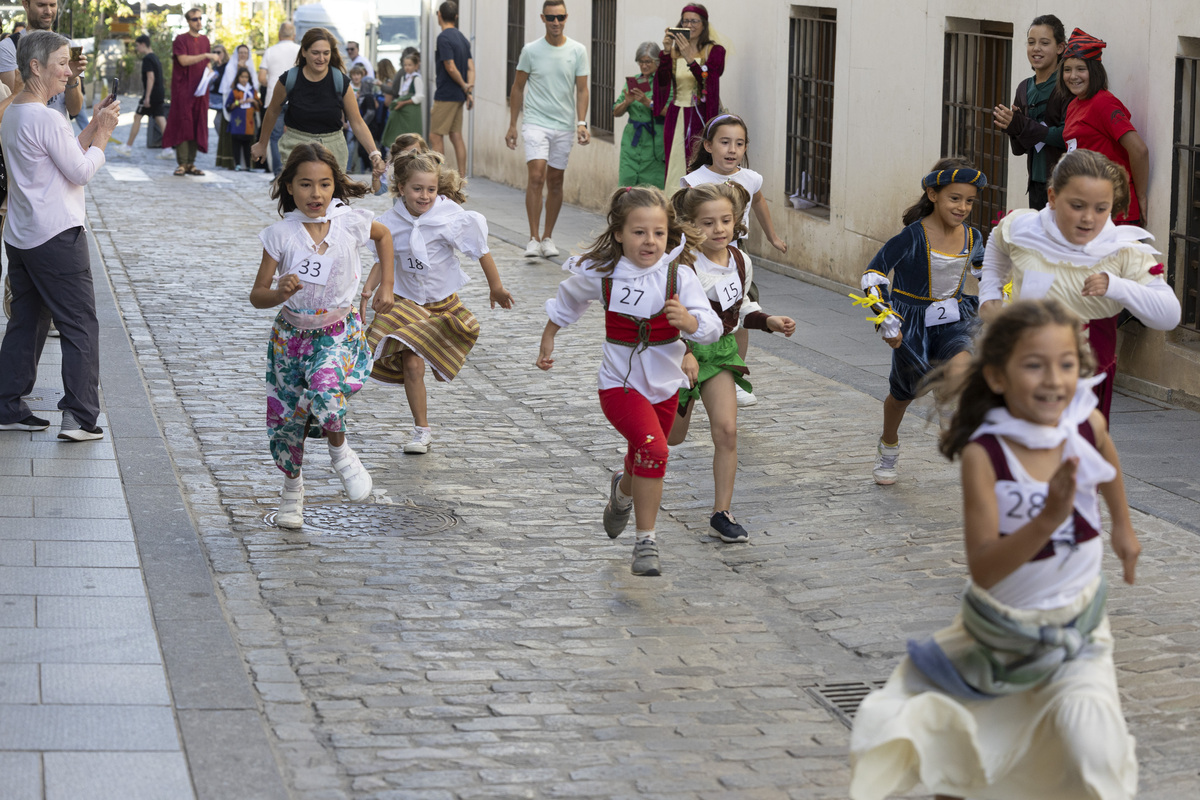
(355, 519)
(842, 698)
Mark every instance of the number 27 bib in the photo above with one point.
(627, 298)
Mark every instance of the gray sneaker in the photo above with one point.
(72, 430)
(615, 519)
(645, 558)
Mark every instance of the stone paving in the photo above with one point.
(513, 655)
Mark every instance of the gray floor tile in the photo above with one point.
(63, 487)
(117, 776)
(14, 466)
(90, 581)
(18, 684)
(99, 507)
(15, 507)
(77, 646)
(17, 611)
(130, 613)
(105, 684)
(20, 776)
(40, 727)
(86, 554)
(101, 449)
(16, 553)
(73, 468)
(68, 530)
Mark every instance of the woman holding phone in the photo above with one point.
(687, 91)
(643, 161)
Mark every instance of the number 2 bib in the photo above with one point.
(943, 312)
(314, 269)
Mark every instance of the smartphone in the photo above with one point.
(684, 32)
(76, 53)
(112, 87)
(639, 84)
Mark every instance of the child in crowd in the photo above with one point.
(722, 157)
(428, 323)
(725, 272)
(242, 105)
(1072, 251)
(1018, 697)
(407, 93)
(934, 322)
(650, 300)
(318, 356)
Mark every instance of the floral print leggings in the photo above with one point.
(310, 377)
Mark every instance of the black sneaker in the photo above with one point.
(727, 528)
(30, 423)
(645, 558)
(73, 430)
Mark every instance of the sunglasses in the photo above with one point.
(555, 17)
(192, 19)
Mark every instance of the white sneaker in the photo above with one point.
(123, 150)
(291, 508)
(167, 154)
(533, 249)
(745, 398)
(885, 472)
(421, 442)
(72, 430)
(548, 250)
(355, 478)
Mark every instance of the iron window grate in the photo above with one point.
(842, 698)
(1184, 250)
(516, 40)
(604, 64)
(809, 158)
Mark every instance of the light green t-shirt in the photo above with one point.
(550, 90)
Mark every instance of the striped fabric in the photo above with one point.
(441, 333)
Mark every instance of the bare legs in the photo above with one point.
(414, 387)
(893, 409)
(647, 496)
(542, 178)
(437, 142)
(720, 401)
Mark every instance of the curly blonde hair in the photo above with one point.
(450, 184)
(687, 202)
(606, 251)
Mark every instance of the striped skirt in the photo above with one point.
(441, 333)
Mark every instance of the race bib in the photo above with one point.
(313, 269)
(414, 265)
(1071, 145)
(942, 312)
(626, 298)
(1022, 502)
(729, 291)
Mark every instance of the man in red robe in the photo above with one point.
(187, 121)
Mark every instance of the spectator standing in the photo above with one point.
(555, 69)
(241, 106)
(40, 15)
(642, 160)
(356, 58)
(153, 93)
(187, 121)
(46, 243)
(688, 90)
(455, 85)
(278, 59)
(404, 99)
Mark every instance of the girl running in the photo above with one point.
(1018, 697)
(934, 320)
(650, 301)
(318, 356)
(1072, 251)
(725, 272)
(428, 322)
(722, 157)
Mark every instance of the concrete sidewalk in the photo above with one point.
(1156, 440)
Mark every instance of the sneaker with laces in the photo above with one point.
(727, 528)
(615, 517)
(547, 248)
(745, 398)
(533, 249)
(167, 154)
(421, 442)
(291, 508)
(645, 558)
(355, 478)
(30, 423)
(123, 150)
(885, 463)
(72, 430)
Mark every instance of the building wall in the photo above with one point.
(887, 113)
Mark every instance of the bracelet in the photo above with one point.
(72, 85)
(371, 155)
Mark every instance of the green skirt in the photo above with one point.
(721, 354)
(406, 120)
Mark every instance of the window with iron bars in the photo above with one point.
(978, 65)
(516, 40)
(809, 157)
(604, 65)
(1184, 251)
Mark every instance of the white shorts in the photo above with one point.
(553, 147)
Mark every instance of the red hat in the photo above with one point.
(1081, 45)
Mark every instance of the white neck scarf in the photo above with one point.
(1093, 470)
(439, 214)
(1039, 231)
(407, 81)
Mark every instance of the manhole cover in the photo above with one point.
(842, 698)
(355, 519)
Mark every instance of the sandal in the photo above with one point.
(191, 170)
(180, 171)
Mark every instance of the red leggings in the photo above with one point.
(644, 425)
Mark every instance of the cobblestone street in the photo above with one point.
(513, 654)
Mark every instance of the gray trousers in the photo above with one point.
(52, 281)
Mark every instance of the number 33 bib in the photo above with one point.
(313, 269)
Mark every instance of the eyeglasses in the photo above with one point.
(691, 23)
(555, 17)
(192, 19)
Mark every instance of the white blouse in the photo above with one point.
(655, 372)
(750, 180)
(710, 274)
(291, 245)
(426, 268)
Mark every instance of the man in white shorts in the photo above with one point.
(551, 86)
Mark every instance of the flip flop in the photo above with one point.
(191, 170)
(180, 171)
